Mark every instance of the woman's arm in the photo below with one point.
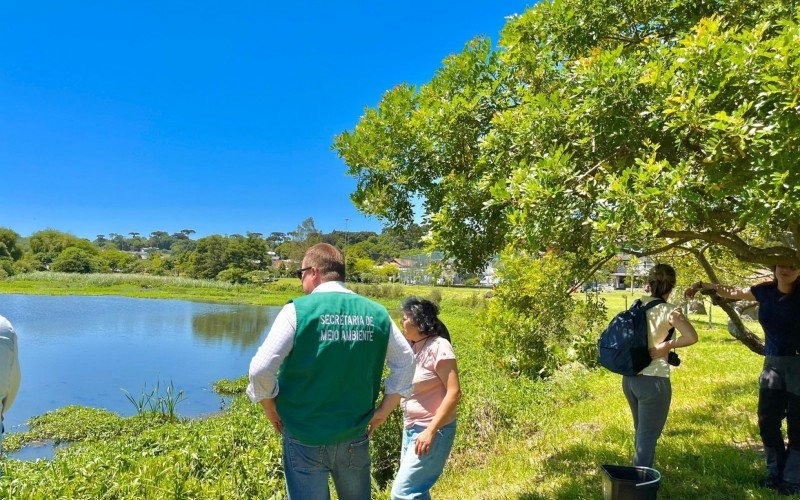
(687, 337)
(447, 370)
(724, 291)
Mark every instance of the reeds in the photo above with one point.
(154, 402)
(109, 279)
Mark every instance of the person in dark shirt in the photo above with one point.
(779, 385)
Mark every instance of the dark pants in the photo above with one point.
(779, 398)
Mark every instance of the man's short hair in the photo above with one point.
(328, 260)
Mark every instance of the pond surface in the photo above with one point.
(78, 350)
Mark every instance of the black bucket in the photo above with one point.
(621, 482)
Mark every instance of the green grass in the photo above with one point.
(518, 438)
(171, 287)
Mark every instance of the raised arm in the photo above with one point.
(724, 291)
(687, 337)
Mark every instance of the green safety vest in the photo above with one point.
(331, 379)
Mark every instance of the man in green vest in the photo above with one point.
(317, 376)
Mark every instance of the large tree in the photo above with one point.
(209, 257)
(9, 245)
(46, 245)
(75, 260)
(601, 126)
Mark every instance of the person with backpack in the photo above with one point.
(779, 384)
(649, 392)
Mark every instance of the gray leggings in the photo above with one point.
(649, 399)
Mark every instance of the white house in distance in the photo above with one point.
(402, 264)
(145, 252)
(490, 277)
(621, 276)
(415, 271)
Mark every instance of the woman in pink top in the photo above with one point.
(429, 414)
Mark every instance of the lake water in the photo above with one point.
(77, 350)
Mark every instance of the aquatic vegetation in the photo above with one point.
(154, 402)
(228, 387)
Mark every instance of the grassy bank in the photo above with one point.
(151, 287)
(170, 287)
(518, 438)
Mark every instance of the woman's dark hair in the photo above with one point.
(425, 314)
(661, 279)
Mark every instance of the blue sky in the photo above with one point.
(214, 116)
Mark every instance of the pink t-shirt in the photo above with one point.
(429, 390)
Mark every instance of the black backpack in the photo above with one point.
(623, 344)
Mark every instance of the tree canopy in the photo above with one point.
(600, 126)
(9, 245)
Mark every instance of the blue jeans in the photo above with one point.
(417, 474)
(307, 468)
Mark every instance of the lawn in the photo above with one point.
(710, 447)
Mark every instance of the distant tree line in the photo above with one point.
(249, 258)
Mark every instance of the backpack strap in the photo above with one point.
(656, 301)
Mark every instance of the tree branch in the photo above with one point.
(674, 244)
(739, 331)
(597, 165)
(592, 170)
(597, 265)
(795, 229)
(743, 251)
(706, 265)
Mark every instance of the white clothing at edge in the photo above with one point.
(9, 366)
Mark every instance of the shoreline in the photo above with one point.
(149, 287)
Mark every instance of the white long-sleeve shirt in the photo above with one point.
(9, 366)
(280, 341)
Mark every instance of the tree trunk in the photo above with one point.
(736, 326)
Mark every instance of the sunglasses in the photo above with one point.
(299, 272)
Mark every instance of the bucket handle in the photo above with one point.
(648, 483)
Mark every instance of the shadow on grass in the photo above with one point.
(575, 472)
(705, 453)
